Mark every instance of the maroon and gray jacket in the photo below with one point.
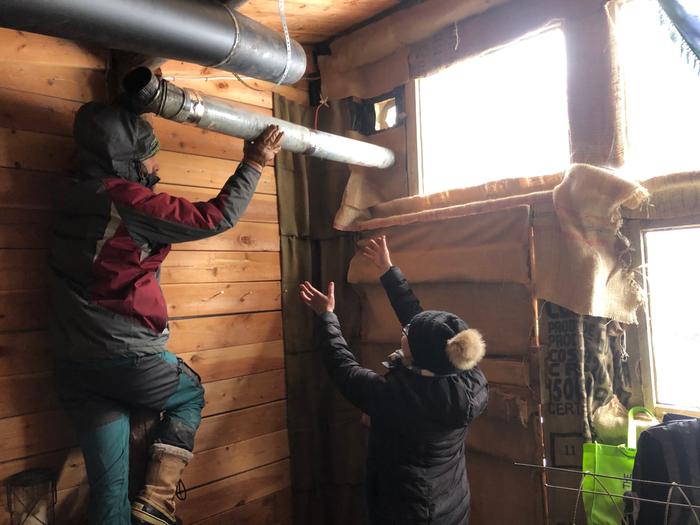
(113, 232)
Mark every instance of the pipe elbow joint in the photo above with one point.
(146, 93)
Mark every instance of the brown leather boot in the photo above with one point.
(156, 503)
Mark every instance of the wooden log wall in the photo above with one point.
(223, 293)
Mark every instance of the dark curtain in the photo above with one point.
(327, 440)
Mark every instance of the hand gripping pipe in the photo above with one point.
(147, 93)
(206, 32)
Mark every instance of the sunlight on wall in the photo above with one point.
(500, 115)
(662, 95)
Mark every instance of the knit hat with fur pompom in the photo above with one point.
(442, 343)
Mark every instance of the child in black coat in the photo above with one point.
(419, 410)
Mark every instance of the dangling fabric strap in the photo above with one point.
(143, 177)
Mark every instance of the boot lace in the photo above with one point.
(181, 491)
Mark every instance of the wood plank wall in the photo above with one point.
(223, 293)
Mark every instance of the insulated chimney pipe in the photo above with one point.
(205, 32)
(146, 93)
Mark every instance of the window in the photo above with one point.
(672, 257)
(385, 113)
(662, 105)
(500, 115)
(376, 114)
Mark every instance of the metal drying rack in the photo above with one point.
(673, 486)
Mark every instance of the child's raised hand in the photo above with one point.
(315, 300)
(377, 251)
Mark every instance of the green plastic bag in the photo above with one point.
(610, 460)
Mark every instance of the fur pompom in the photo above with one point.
(466, 349)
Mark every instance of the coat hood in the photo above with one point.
(112, 141)
(443, 343)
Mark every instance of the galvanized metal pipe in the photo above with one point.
(147, 93)
(205, 32)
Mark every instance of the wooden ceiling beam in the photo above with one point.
(407, 26)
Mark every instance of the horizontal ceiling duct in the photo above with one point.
(205, 32)
(147, 93)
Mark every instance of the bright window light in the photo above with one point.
(500, 115)
(672, 259)
(385, 112)
(662, 95)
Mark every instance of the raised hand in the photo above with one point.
(262, 150)
(315, 300)
(377, 251)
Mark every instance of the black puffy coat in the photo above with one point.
(416, 472)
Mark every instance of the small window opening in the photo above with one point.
(386, 114)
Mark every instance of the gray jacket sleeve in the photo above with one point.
(159, 218)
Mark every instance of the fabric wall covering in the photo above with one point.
(672, 196)
(479, 267)
(485, 264)
(580, 255)
(327, 439)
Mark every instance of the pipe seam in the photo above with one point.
(228, 57)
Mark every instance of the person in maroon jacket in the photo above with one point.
(109, 321)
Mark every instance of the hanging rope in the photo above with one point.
(323, 102)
